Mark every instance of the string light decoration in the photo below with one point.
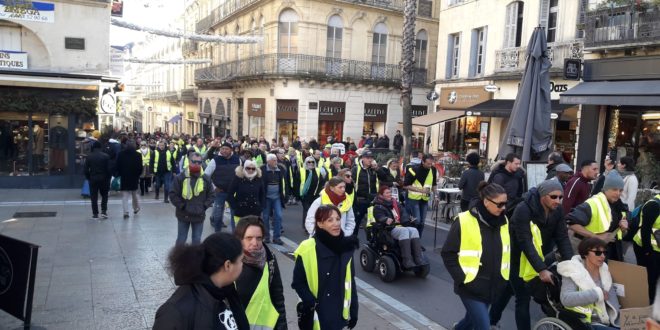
(182, 35)
(165, 61)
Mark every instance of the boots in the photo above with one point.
(416, 245)
(157, 193)
(406, 257)
(167, 199)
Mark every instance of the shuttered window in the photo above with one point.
(10, 38)
(513, 24)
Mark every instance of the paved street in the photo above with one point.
(111, 274)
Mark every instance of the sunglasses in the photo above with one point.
(310, 162)
(250, 169)
(498, 205)
(598, 253)
(348, 176)
(196, 161)
(556, 196)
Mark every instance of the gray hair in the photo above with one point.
(271, 157)
(195, 154)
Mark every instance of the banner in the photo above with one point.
(13, 60)
(25, 10)
(18, 266)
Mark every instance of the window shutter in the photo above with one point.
(510, 26)
(543, 15)
(10, 38)
(474, 44)
(582, 19)
(450, 57)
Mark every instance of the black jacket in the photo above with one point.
(470, 179)
(193, 210)
(246, 197)
(366, 183)
(317, 181)
(513, 183)
(554, 232)
(224, 171)
(277, 176)
(192, 307)
(97, 166)
(249, 279)
(489, 282)
(129, 168)
(385, 176)
(384, 210)
(398, 142)
(551, 171)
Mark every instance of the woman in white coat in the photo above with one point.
(333, 194)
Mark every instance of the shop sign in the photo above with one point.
(108, 104)
(13, 60)
(557, 87)
(25, 10)
(332, 111)
(313, 105)
(191, 115)
(257, 107)
(287, 109)
(491, 88)
(18, 262)
(572, 68)
(419, 110)
(375, 112)
(462, 97)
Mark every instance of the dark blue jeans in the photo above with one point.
(417, 209)
(476, 315)
(360, 211)
(276, 206)
(165, 180)
(182, 236)
(516, 287)
(219, 211)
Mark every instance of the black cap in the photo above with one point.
(368, 153)
(227, 144)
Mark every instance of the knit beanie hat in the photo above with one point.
(549, 186)
(613, 181)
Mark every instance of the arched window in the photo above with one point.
(220, 108)
(237, 48)
(513, 24)
(421, 43)
(287, 42)
(335, 30)
(379, 50)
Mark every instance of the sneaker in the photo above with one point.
(125, 215)
(104, 215)
(278, 241)
(136, 211)
(95, 217)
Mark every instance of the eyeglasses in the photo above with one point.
(598, 253)
(250, 169)
(498, 205)
(310, 162)
(196, 161)
(556, 196)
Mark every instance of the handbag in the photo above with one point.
(115, 183)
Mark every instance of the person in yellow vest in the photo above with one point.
(604, 216)
(334, 193)
(312, 181)
(477, 255)
(347, 176)
(647, 250)
(335, 166)
(200, 147)
(145, 177)
(260, 284)
(537, 227)
(419, 182)
(586, 286)
(162, 168)
(324, 275)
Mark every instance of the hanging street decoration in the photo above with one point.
(165, 61)
(179, 34)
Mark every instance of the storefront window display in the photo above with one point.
(287, 120)
(375, 117)
(256, 117)
(331, 120)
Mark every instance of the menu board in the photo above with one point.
(536, 173)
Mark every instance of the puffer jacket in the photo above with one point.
(245, 196)
(192, 210)
(513, 183)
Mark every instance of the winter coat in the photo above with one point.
(365, 184)
(246, 197)
(385, 176)
(221, 170)
(576, 191)
(279, 176)
(97, 166)
(470, 179)
(581, 215)
(630, 186)
(384, 210)
(513, 183)
(249, 279)
(551, 171)
(129, 169)
(398, 142)
(193, 210)
(347, 218)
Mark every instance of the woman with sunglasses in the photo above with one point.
(246, 194)
(477, 255)
(312, 181)
(587, 285)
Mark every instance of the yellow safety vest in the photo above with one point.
(168, 160)
(371, 219)
(527, 272)
(344, 206)
(656, 225)
(428, 183)
(307, 251)
(145, 158)
(260, 312)
(601, 215)
(259, 160)
(303, 175)
(187, 192)
(587, 311)
(201, 150)
(469, 256)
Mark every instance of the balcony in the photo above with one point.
(424, 7)
(189, 47)
(514, 59)
(170, 96)
(304, 66)
(622, 27)
(189, 95)
(220, 13)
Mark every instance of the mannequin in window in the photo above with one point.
(38, 146)
(57, 141)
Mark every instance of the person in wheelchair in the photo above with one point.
(386, 213)
(587, 286)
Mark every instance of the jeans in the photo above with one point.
(219, 211)
(96, 187)
(182, 236)
(163, 179)
(476, 315)
(417, 209)
(276, 206)
(124, 200)
(360, 211)
(516, 287)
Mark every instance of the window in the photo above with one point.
(421, 43)
(253, 32)
(10, 38)
(478, 52)
(453, 55)
(333, 45)
(514, 24)
(552, 20)
(379, 50)
(288, 32)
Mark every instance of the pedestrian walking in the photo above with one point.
(97, 173)
(312, 182)
(578, 188)
(129, 169)
(477, 255)
(470, 179)
(419, 182)
(646, 247)
(511, 177)
(275, 185)
(259, 286)
(191, 195)
(324, 275)
(563, 174)
(221, 169)
(334, 193)
(206, 297)
(626, 167)
(246, 194)
(145, 176)
(162, 164)
(366, 181)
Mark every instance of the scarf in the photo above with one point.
(336, 244)
(490, 219)
(334, 198)
(391, 204)
(626, 173)
(308, 182)
(256, 259)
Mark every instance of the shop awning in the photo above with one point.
(436, 117)
(502, 108)
(633, 92)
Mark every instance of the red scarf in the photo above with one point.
(334, 198)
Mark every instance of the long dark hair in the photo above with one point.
(489, 190)
(189, 262)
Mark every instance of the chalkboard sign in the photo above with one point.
(18, 265)
(536, 172)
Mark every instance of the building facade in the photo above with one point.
(324, 68)
(483, 56)
(54, 62)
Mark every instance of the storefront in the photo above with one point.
(287, 120)
(419, 131)
(256, 117)
(469, 133)
(375, 118)
(331, 120)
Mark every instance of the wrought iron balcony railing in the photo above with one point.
(305, 66)
(634, 25)
(221, 12)
(189, 95)
(514, 59)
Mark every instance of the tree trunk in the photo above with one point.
(407, 71)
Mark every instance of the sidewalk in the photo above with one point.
(110, 274)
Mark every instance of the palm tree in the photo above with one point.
(407, 69)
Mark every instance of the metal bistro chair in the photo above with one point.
(445, 206)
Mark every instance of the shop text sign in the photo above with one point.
(25, 10)
(375, 112)
(287, 109)
(463, 97)
(13, 60)
(257, 107)
(334, 111)
(419, 110)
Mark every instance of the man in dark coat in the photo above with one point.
(511, 177)
(128, 169)
(221, 171)
(554, 159)
(97, 172)
(397, 144)
(470, 179)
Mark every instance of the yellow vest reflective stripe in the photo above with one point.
(168, 160)
(303, 176)
(307, 251)
(344, 206)
(656, 226)
(601, 215)
(428, 183)
(370, 216)
(201, 150)
(259, 160)
(587, 311)
(145, 158)
(260, 312)
(469, 255)
(527, 272)
(187, 192)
